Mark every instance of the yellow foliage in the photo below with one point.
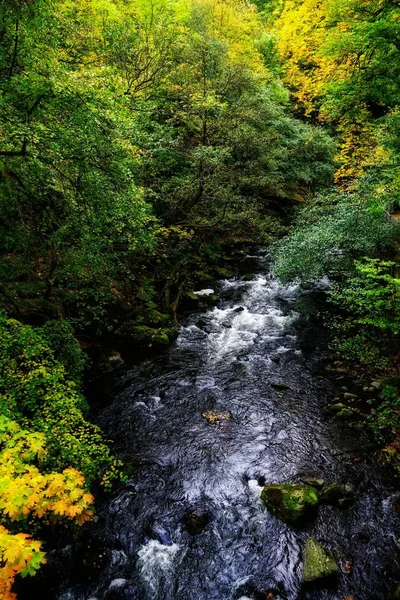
(321, 46)
(26, 491)
(19, 554)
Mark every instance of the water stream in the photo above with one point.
(225, 359)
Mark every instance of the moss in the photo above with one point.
(201, 276)
(346, 413)
(318, 563)
(291, 503)
(224, 273)
(147, 336)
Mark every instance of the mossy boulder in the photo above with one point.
(319, 566)
(147, 336)
(201, 298)
(291, 503)
(346, 413)
(202, 276)
(150, 316)
(190, 300)
(210, 300)
(335, 492)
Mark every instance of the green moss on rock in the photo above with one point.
(346, 413)
(291, 503)
(147, 336)
(319, 565)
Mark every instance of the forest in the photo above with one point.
(145, 145)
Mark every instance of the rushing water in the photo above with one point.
(225, 360)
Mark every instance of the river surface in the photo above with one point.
(225, 359)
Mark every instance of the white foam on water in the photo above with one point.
(140, 404)
(282, 350)
(255, 488)
(156, 563)
(117, 583)
(245, 328)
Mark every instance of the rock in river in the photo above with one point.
(333, 493)
(215, 417)
(337, 407)
(314, 482)
(346, 413)
(291, 503)
(280, 386)
(319, 566)
(195, 522)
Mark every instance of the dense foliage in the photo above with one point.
(138, 140)
(136, 136)
(49, 453)
(141, 141)
(341, 62)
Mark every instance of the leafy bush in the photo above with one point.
(330, 233)
(60, 337)
(36, 392)
(49, 454)
(368, 325)
(385, 425)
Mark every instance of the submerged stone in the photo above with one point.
(239, 309)
(291, 503)
(319, 566)
(195, 522)
(280, 386)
